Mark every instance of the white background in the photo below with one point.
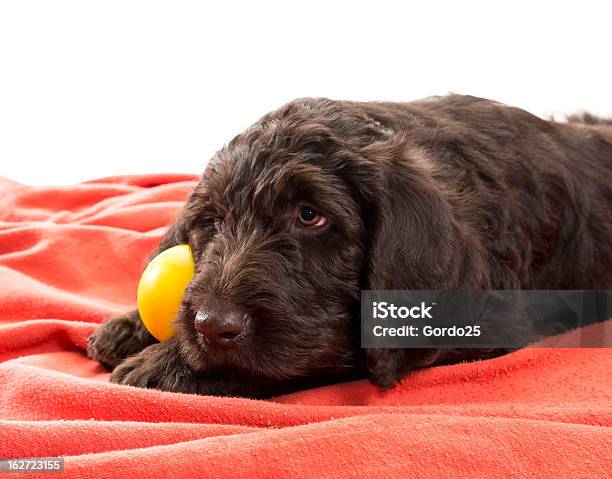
(90, 89)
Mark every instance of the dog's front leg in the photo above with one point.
(118, 338)
(158, 366)
(161, 366)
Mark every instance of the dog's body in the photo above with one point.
(322, 199)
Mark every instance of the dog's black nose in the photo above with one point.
(222, 330)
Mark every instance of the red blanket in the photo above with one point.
(72, 256)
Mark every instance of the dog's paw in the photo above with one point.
(141, 370)
(157, 367)
(118, 338)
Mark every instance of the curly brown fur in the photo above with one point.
(444, 193)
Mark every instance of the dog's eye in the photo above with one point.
(310, 218)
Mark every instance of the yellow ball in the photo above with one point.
(161, 289)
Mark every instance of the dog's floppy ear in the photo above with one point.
(411, 244)
(178, 232)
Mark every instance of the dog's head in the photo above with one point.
(289, 222)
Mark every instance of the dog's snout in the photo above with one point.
(221, 329)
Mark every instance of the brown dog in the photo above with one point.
(321, 199)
